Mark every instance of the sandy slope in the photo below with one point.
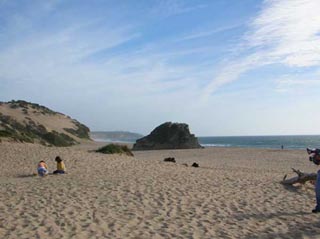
(55, 122)
(51, 122)
(234, 194)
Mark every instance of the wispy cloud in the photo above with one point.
(166, 8)
(154, 65)
(64, 57)
(298, 82)
(290, 29)
(284, 32)
(206, 33)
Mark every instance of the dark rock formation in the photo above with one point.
(168, 136)
(196, 165)
(172, 160)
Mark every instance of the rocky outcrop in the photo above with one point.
(196, 165)
(170, 159)
(168, 136)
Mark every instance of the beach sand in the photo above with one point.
(235, 193)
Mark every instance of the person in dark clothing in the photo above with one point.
(61, 168)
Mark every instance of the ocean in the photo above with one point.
(271, 142)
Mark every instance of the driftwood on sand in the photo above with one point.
(301, 178)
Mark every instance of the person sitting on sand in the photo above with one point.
(42, 168)
(61, 168)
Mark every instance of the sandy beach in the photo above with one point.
(235, 193)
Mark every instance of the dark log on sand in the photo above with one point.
(301, 178)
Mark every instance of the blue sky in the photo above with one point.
(225, 67)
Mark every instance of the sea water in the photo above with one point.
(273, 142)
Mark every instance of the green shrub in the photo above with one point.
(16, 136)
(115, 149)
(57, 139)
(4, 133)
(25, 111)
(14, 104)
(82, 131)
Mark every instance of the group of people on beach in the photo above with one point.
(43, 169)
(314, 156)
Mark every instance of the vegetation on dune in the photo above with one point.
(5, 133)
(58, 139)
(115, 149)
(31, 131)
(82, 131)
(15, 130)
(20, 137)
(14, 104)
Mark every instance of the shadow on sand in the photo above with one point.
(27, 175)
(294, 230)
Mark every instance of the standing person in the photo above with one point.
(61, 168)
(317, 189)
(314, 156)
(42, 168)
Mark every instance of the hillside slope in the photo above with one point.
(28, 122)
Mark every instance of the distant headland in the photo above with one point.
(115, 136)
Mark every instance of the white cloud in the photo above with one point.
(291, 30)
(103, 67)
(285, 32)
(230, 72)
(58, 60)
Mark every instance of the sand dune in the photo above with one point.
(234, 194)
